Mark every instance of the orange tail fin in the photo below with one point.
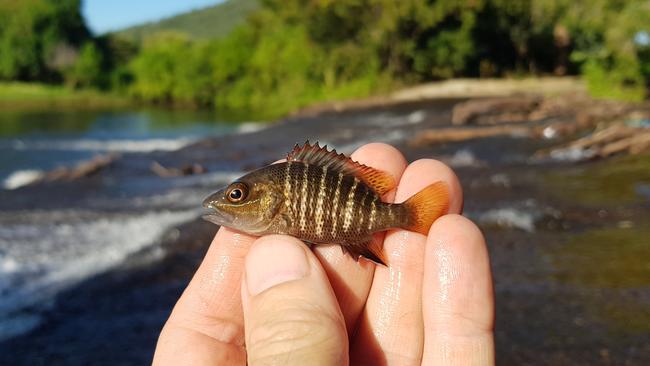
(426, 206)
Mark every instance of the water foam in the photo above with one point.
(21, 178)
(572, 154)
(509, 217)
(462, 158)
(39, 260)
(250, 127)
(117, 145)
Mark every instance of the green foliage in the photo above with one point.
(291, 54)
(280, 55)
(618, 66)
(156, 65)
(87, 70)
(170, 68)
(36, 37)
(20, 96)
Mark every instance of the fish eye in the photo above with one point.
(237, 192)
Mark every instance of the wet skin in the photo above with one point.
(432, 305)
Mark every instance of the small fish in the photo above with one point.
(322, 197)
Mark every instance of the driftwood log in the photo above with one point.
(615, 139)
(494, 110)
(187, 169)
(455, 134)
(535, 117)
(84, 169)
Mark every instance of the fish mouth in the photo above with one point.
(215, 215)
(219, 218)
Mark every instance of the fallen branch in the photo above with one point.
(83, 169)
(615, 139)
(454, 134)
(187, 169)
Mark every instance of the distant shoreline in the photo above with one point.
(453, 89)
(20, 96)
(24, 95)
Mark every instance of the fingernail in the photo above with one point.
(274, 260)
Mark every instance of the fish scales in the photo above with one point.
(313, 184)
(323, 197)
(334, 213)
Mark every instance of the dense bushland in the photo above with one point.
(290, 53)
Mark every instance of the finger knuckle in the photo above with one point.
(293, 333)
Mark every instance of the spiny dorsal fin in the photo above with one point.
(378, 181)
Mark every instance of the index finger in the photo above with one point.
(208, 317)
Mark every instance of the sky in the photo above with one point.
(107, 15)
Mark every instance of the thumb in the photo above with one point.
(291, 315)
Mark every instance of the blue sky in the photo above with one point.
(107, 15)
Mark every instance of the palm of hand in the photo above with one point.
(433, 304)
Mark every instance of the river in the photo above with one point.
(37, 141)
(90, 268)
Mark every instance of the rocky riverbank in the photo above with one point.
(567, 237)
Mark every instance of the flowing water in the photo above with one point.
(109, 254)
(45, 251)
(36, 141)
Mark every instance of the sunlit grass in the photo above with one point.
(20, 95)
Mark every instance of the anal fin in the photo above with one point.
(370, 249)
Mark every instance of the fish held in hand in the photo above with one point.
(323, 197)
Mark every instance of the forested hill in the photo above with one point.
(210, 22)
(274, 56)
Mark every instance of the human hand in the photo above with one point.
(273, 301)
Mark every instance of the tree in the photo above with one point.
(87, 71)
(155, 67)
(32, 32)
